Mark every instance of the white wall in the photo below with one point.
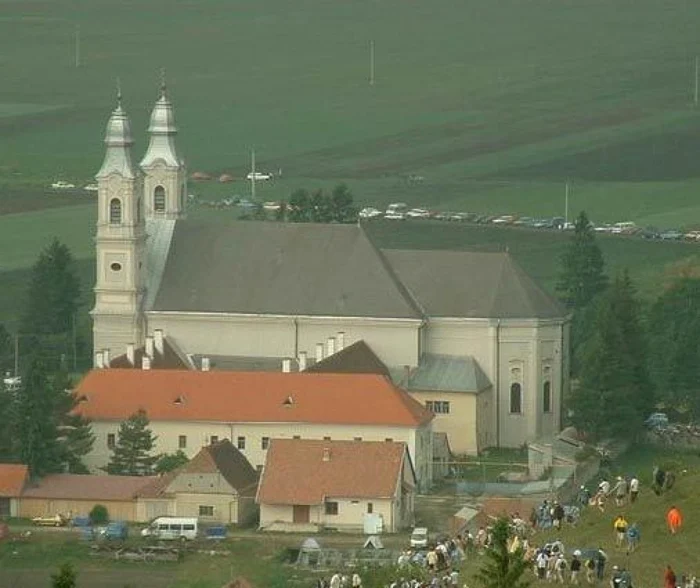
(395, 341)
(199, 434)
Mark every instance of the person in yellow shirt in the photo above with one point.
(620, 525)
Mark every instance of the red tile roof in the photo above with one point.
(179, 395)
(77, 487)
(13, 476)
(295, 471)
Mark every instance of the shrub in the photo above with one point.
(99, 515)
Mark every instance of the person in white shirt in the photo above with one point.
(356, 580)
(634, 488)
(541, 563)
(335, 581)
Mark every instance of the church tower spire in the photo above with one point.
(164, 170)
(120, 242)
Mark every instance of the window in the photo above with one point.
(182, 441)
(516, 398)
(547, 397)
(159, 199)
(388, 439)
(331, 508)
(115, 267)
(115, 211)
(296, 437)
(357, 438)
(188, 527)
(265, 442)
(240, 443)
(370, 508)
(438, 406)
(326, 438)
(206, 511)
(213, 439)
(138, 210)
(111, 440)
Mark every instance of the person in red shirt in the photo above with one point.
(669, 578)
(674, 520)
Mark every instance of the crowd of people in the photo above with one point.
(438, 565)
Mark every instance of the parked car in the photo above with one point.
(370, 212)
(419, 537)
(259, 176)
(61, 185)
(506, 219)
(418, 213)
(671, 235)
(57, 520)
(115, 531)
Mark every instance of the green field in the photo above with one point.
(495, 102)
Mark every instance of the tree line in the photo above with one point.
(630, 356)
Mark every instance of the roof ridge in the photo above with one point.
(402, 288)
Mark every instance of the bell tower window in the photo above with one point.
(115, 211)
(138, 210)
(547, 397)
(159, 199)
(516, 398)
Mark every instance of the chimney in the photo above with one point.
(319, 352)
(206, 364)
(131, 353)
(286, 365)
(302, 361)
(330, 346)
(326, 454)
(340, 341)
(105, 357)
(150, 347)
(146, 362)
(99, 360)
(158, 338)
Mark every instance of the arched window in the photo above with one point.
(547, 397)
(516, 398)
(159, 199)
(115, 211)
(138, 210)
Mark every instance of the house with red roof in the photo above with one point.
(315, 484)
(13, 478)
(218, 485)
(191, 409)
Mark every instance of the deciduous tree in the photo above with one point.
(132, 454)
(502, 569)
(674, 324)
(167, 462)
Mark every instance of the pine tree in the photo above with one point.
(75, 433)
(135, 441)
(54, 292)
(35, 428)
(614, 392)
(582, 277)
(501, 568)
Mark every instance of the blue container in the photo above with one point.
(116, 531)
(218, 532)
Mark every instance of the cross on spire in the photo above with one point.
(119, 93)
(163, 85)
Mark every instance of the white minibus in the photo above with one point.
(168, 528)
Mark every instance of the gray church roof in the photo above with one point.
(471, 285)
(448, 373)
(275, 268)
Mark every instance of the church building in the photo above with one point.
(470, 335)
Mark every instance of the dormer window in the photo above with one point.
(115, 211)
(159, 199)
(289, 401)
(179, 400)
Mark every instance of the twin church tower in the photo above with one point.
(131, 203)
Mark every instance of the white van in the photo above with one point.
(172, 528)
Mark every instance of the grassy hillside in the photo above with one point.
(495, 103)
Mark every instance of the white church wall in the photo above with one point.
(461, 337)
